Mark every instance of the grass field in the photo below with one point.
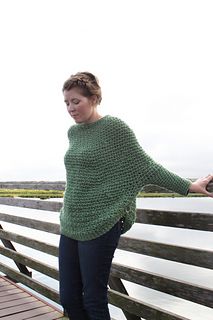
(47, 194)
(42, 194)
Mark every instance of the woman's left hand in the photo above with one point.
(199, 186)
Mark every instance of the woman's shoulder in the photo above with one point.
(119, 125)
(117, 122)
(118, 132)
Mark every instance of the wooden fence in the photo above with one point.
(132, 308)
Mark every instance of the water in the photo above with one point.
(193, 238)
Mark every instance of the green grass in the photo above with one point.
(47, 194)
(42, 194)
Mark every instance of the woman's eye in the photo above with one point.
(75, 101)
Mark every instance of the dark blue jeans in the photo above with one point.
(84, 268)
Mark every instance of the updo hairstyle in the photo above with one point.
(86, 82)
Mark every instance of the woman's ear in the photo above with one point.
(94, 100)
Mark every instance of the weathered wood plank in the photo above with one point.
(31, 283)
(30, 262)
(140, 308)
(17, 309)
(5, 290)
(31, 223)
(201, 258)
(36, 185)
(48, 316)
(9, 304)
(177, 219)
(22, 268)
(9, 291)
(117, 285)
(31, 243)
(53, 185)
(32, 203)
(14, 296)
(43, 311)
(3, 284)
(197, 257)
(26, 305)
(180, 288)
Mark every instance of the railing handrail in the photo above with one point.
(192, 220)
(133, 309)
(56, 185)
(157, 249)
(33, 185)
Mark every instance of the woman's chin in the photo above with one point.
(77, 119)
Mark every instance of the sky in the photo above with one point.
(154, 63)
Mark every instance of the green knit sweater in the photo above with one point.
(105, 169)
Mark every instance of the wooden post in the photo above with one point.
(22, 268)
(116, 284)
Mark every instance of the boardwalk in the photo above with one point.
(18, 304)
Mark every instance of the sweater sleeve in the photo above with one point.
(144, 170)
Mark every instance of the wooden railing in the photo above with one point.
(132, 308)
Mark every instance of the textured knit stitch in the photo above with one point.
(105, 169)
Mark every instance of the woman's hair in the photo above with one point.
(86, 82)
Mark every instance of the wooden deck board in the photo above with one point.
(17, 303)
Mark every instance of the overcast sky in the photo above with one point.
(154, 60)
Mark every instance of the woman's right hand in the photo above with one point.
(199, 185)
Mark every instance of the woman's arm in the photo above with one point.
(199, 186)
(140, 169)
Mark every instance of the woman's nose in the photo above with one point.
(71, 107)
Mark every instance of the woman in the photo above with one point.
(105, 168)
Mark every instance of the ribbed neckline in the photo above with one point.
(92, 124)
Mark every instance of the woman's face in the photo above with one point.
(82, 109)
